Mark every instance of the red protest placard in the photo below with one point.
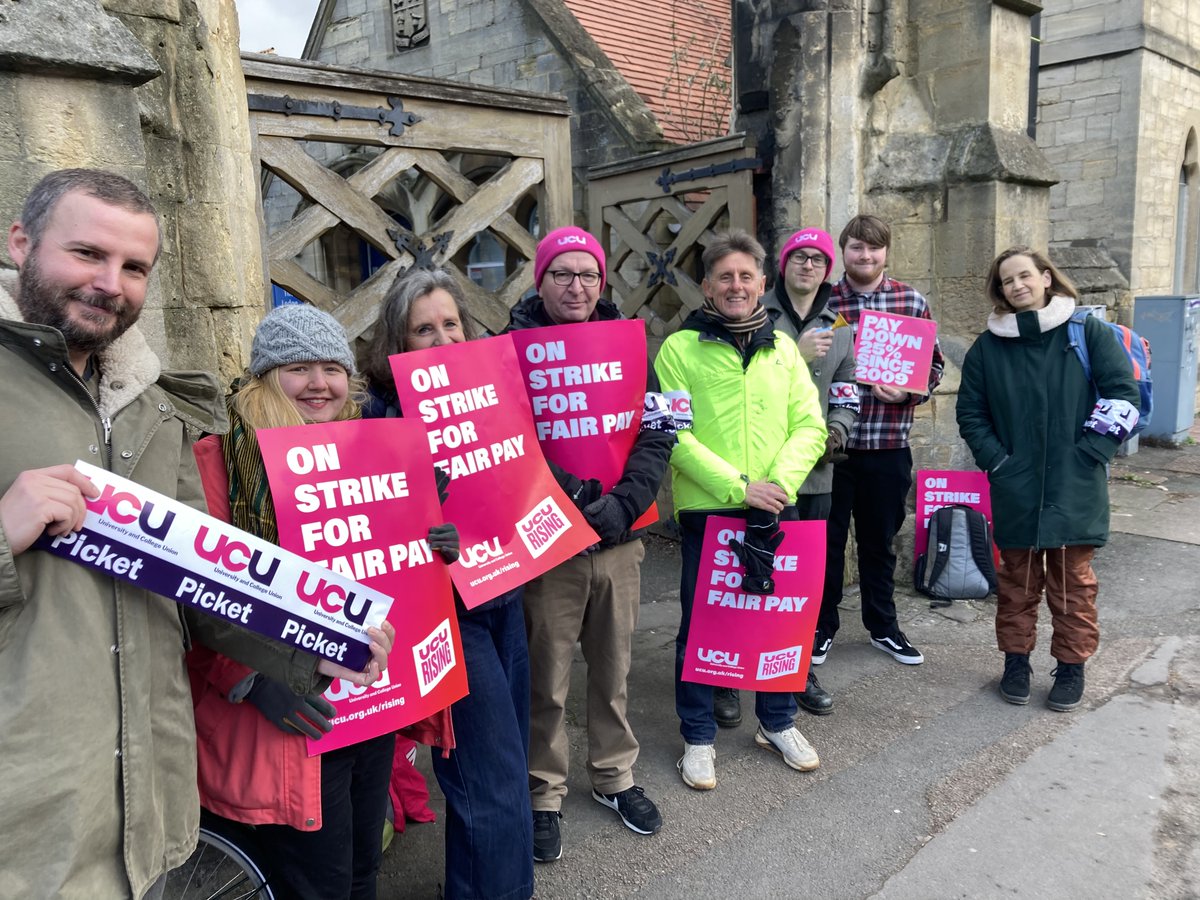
(358, 497)
(937, 488)
(752, 641)
(587, 388)
(894, 350)
(514, 520)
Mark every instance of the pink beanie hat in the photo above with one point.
(811, 237)
(564, 240)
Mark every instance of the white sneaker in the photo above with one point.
(796, 751)
(698, 766)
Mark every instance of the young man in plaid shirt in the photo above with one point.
(872, 484)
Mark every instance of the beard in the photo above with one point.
(44, 303)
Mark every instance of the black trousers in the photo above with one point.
(871, 487)
(341, 860)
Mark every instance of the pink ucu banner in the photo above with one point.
(358, 498)
(755, 641)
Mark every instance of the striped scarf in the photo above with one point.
(250, 506)
(741, 329)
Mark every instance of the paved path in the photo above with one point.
(930, 785)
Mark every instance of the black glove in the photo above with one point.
(588, 493)
(308, 715)
(581, 492)
(442, 479)
(757, 553)
(444, 539)
(607, 517)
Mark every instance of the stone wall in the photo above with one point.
(1170, 112)
(151, 89)
(915, 111)
(1118, 93)
(529, 45)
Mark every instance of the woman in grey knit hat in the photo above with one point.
(319, 821)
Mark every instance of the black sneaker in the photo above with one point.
(821, 645)
(727, 707)
(636, 810)
(1068, 687)
(897, 646)
(547, 840)
(1014, 685)
(814, 698)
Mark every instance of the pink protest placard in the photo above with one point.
(587, 388)
(895, 351)
(938, 488)
(752, 641)
(359, 497)
(514, 520)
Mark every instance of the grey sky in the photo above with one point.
(282, 24)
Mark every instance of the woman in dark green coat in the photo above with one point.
(1044, 435)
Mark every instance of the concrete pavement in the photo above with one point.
(930, 785)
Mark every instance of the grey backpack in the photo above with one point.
(958, 563)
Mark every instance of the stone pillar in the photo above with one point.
(197, 135)
(67, 74)
(798, 67)
(151, 89)
(912, 110)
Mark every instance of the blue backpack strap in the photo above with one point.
(1078, 341)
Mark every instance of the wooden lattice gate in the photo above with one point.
(367, 173)
(657, 213)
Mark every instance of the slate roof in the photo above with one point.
(675, 53)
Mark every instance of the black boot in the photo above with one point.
(1068, 687)
(814, 698)
(727, 707)
(1014, 685)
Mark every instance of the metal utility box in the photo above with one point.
(1172, 326)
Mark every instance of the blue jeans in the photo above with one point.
(694, 702)
(341, 860)
(489, 824)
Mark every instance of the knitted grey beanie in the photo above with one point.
(299, 332)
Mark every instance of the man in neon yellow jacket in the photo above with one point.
(757, 431)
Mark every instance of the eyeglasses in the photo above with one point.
(563, 278)
(800, 260)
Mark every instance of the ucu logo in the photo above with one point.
(332, 598)
(481, 554)
(341, 689)
(843, 390)
(718, 657)
(235, 556)
(434, 657)
(572, 239)
(123, 508)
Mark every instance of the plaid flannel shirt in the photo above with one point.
(885, 426)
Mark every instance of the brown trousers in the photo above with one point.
(592, 599)
(1066, 575)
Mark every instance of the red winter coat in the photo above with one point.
(247, 769)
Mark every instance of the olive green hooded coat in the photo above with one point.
(97, 745)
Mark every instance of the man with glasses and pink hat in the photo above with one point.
(593, 598)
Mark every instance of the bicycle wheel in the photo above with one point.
(222, 868)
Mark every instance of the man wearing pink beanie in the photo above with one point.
(799, 307)
(592, 598)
